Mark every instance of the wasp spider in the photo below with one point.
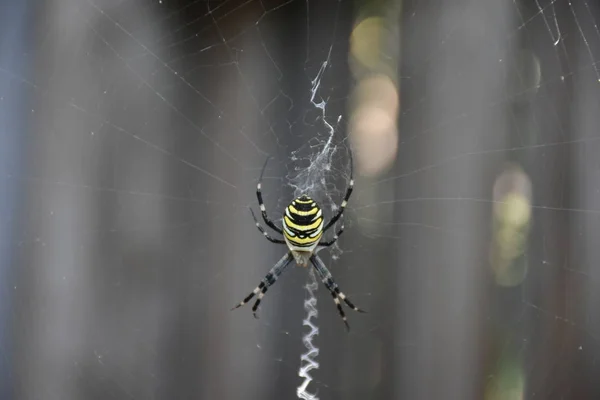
(302, 232)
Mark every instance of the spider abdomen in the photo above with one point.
(303, 224)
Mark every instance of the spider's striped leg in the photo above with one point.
(263, 209)
(345, 201)
(262, 230)
(267, 281)
(333, 288)
(335, 238)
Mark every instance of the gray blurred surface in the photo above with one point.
(146, 126)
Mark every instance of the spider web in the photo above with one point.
(133, 134)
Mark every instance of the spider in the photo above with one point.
(302, 232)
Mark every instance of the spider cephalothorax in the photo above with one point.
(302, 233)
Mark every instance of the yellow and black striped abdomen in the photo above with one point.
(303, 223)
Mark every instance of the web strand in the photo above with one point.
(308, 359)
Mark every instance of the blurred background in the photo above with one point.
(132, 134)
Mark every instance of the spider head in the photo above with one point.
(302, 257)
